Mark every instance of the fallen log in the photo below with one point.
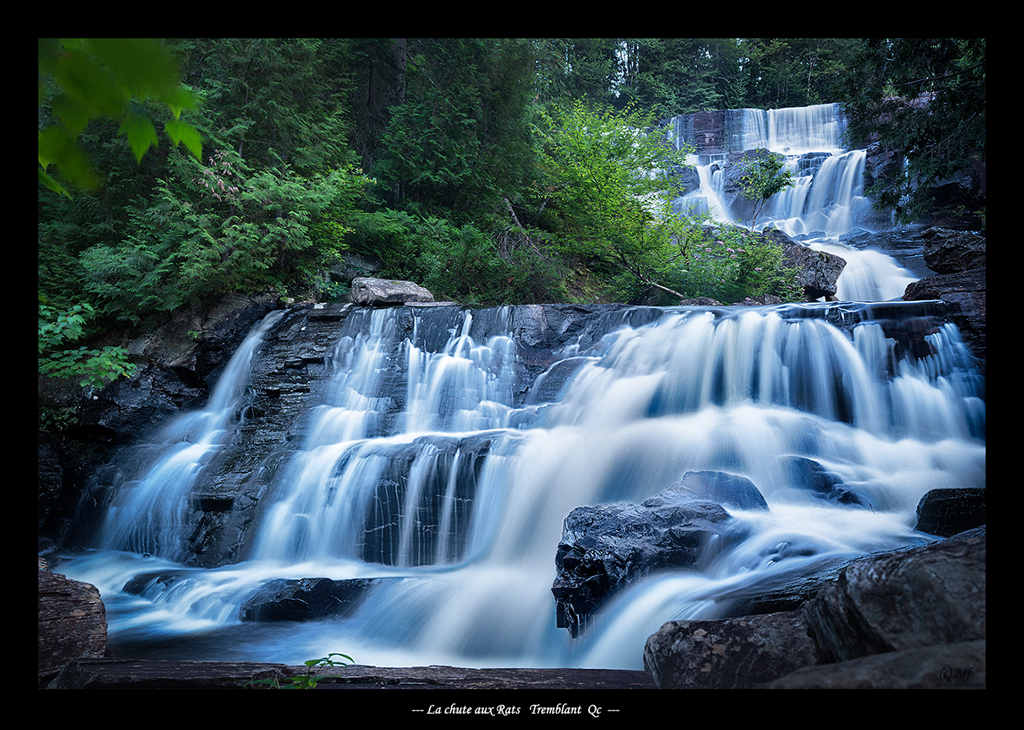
(113, 673)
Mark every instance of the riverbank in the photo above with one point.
(114, 673)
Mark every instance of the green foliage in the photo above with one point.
(56, 419)
(460, 141)
(273, 100)
(114, 78)
(604, 176)
(498, 181)
(218, 228)
(466, 265)
(308, 680)
(670, 76)
(735, 264)
(95, 367)
(923, 99)
(763, 176)
(455, 262)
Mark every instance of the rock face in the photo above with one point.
(72, 621)
(293, 364)
(728, 654)
(380, 292)
(959, 259)
(949, 252)
(912, 618)
(176, 367)
(304, 599)
(964, 293)
(606, 547)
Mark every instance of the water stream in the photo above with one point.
(455, 497)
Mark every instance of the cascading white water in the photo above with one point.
(826, 201)
(461, 513)
(424, 465)
(150, 513)
(798, 130)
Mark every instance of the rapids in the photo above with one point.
(456, 498)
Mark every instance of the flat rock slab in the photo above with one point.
(110, 673)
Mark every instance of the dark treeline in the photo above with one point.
(455, 162)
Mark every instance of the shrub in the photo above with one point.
(94, 367)
(734, 264)
(218, 228)
(763, 177)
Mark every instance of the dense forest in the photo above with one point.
(488, 170)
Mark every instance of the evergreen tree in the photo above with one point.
(460, 143)
(924, 99)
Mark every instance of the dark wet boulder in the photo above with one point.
(810, 476)
(605, 548)
(303, 599)
(728, 490)
(947, 512)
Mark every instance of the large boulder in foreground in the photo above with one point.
(72, 621)
(910, 618)
(382, 292)
(902, 600)
(729, 653)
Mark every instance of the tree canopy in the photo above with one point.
(493, 170)
(924, 99)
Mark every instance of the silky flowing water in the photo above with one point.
(457, 502)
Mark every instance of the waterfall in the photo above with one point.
(826, 202)
(151, 512)
(432, 465)
(444, 447)
(798, 130)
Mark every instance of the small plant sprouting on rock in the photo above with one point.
(308, 680)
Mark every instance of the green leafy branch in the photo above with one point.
(95, 367)
(308, 680)
(109, 78)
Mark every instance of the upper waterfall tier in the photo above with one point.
(792, 131)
